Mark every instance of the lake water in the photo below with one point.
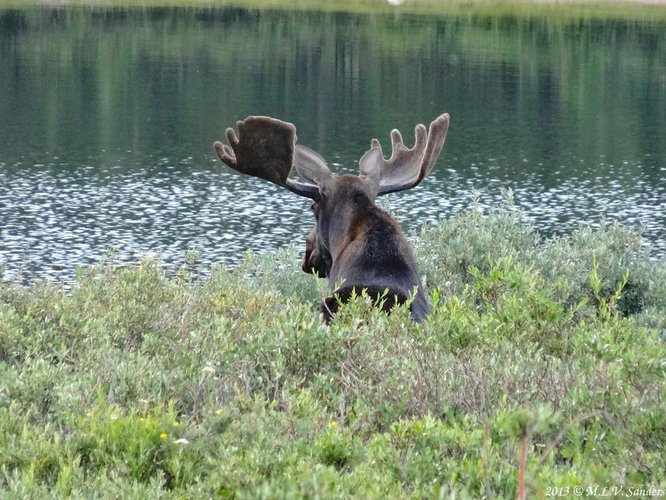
(107, 117)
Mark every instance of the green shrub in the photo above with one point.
(139, 383)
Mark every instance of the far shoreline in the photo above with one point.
(652, 11)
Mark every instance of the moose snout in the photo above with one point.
(314, 261)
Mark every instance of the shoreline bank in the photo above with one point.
(639, 10)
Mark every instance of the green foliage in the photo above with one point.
(587, 271)
(138, 383)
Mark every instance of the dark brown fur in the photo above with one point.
(362, 250)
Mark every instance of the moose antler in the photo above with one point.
(264, 148)
(405, 168)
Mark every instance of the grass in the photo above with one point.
(568, 10)
(541, 367)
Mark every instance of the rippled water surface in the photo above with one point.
(107, 117)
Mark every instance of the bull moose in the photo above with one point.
(356, 245)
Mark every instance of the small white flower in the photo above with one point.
(181, 441)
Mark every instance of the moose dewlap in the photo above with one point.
(353, 243)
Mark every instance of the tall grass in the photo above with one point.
(542, 365)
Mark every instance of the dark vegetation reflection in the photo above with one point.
(107, 117)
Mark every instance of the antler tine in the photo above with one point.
(406, 167)
(264, 148)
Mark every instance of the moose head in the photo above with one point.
(353, 243)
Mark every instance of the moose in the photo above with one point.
(353, 243)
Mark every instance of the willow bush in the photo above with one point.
(141, 382)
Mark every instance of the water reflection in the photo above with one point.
(107, 117)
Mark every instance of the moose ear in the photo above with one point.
(370, 167)
(311, 166)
